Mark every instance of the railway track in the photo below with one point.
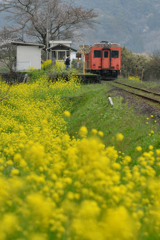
(140, 92)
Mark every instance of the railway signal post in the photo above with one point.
(83, 49)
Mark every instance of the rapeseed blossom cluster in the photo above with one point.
(137, 78)
(58, 66)
(56, 187)
(46, 64)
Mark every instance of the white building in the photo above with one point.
(28, 55)
(60, 49)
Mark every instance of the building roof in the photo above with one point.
(60, 41)
(61, 47)
(106, 45)
(27, 44)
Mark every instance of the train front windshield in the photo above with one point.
(115, 54)
(97, 54)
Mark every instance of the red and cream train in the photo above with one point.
(104, 58)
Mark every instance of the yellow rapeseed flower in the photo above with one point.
(67, 113)
(14, 172)
(150, 147)
(100, 133)
(94, 131)
(83, 131)
(119, 137)
(158, 151)
(9, 162)
(139, 148)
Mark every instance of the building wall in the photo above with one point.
(73, 56)
(28, 56)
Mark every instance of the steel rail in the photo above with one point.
(114, 84)
(141, 89)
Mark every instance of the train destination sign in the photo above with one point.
(86, 49)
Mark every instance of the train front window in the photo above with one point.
(106, 54)
(115, 54)
(97, 54)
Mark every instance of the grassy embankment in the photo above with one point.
(91, 107)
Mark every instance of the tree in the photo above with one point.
(152, 69)
(7, 50)
(56, 18)
(129, 61)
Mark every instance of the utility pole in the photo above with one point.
(142, 74)
(47, 38)
(83, 60)
(78, 65)
(22, 34)
(58, 34)
(136, 72)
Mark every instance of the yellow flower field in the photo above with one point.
(56, 187)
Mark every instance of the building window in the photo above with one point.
(97, 54)
(61, 55)
(115, 54)
(106, 54)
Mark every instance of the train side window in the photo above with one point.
(106, 54)
(115, 54)
(97, 54)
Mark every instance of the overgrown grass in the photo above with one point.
(142, 84)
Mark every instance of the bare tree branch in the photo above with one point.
(7, 50)
(65, 19)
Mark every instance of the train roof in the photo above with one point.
(106, 45)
